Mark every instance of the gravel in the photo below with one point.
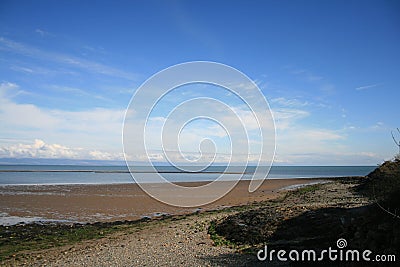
(172, 243)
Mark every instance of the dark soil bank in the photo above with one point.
(365, 212)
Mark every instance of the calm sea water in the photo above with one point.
(67, 174)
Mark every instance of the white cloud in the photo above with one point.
(306, 74)
(289, 102)
(93, 128)
(367, 86)
(6, 87)
(378, 125)
(235, 119)
(102, 155)
(333, 158)
(38, 70)
(246, 86)
(41, 32)
(39, 149)
(321, 135)
(78, 92)
(96, 133)
(285, 118)
(298, 142)
(22, 69)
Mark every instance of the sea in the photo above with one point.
(77, 174)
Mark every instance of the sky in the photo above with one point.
(330, 71)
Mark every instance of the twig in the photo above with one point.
(379, 205)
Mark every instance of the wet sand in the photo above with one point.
(91, 203)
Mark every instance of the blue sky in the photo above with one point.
(329, 70)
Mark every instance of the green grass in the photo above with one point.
(217, 239)
(307, 189)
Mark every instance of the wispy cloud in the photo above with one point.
(289, 102)
(37, 70)
(79, 92)
(42, 32)
(73, 61)
(367, 86)
(307, 75)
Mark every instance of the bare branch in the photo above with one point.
(394, 139)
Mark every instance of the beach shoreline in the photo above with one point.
(89, 203)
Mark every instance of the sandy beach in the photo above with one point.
(92, 203)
